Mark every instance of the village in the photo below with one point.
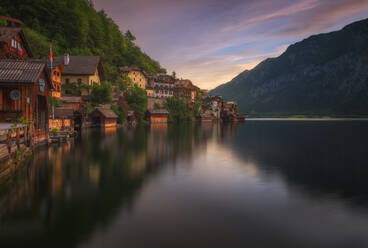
(51, 99)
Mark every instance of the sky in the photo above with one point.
(212, 41)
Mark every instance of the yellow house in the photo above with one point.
(82, 70)
(150, 91)
(136, 75)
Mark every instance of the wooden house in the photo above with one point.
(24, 90)
(82, 70)
(103, 117)
(63, 119)
(13, 44)
(157, 116)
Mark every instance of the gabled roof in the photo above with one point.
(8, 33)
(81, 65)
(107, 113)
(128, 69)
(159, 112)
(13, 20)
(71, 99)
(20, 71)
(64, 113)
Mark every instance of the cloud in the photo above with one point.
(211, 41)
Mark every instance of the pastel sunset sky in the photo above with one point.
(212, 41)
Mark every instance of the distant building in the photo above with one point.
(150, 91)
(186, 90)
(13, 44)
(82, 70)
(136, 75)
(163, 86)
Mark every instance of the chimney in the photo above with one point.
(66, 59)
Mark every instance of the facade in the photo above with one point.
(103, 117)
(150, 91)
(55, 71)
(63, 119)
(24, 91)
(163, 86)
(157, 116)
(82, 70)
(136, 75)
(186, 90)
(13, 44)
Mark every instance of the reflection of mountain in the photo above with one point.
(321, 157)
(67, 192)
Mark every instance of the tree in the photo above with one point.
(178, 109)
(137, 101)
(120, 112)
(130, 36)
(174, 74)
(101, 94)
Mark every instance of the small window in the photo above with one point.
(67, 81)
(14, 43)
(79, 81)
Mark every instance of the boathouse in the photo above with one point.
(75, 102)
(103, 117)
(24, 90)
(157, 116)
(63, 119)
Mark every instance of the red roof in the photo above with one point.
(11, 19)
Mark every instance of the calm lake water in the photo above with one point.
(258, 184)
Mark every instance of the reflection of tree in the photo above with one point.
(321, 157)
(70, 190)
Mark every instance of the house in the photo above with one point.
(150, 91)
(163, 86)
(13, 44)
(186, 89)
(103, 117)
(63, 118)
(205, 117)
(24, 91)
(157, 116)
(84, 71)
(75, 102)
(136, 75)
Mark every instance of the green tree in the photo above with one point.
(120, 112)
(137, 101)
(178, 109)
(101, 94)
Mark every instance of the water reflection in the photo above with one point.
(259, 184)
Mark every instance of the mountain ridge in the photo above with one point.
(325, 74)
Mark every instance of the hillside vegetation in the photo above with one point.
(326, 74)
(74, 26)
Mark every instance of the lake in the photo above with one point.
(256, 184)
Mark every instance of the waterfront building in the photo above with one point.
(75, 102)
(103, 117)
(13, 44)
(136, 75)
(82, 70)
(157, 116)
(24, 92)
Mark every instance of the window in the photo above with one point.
(14, 43)
(67, 81)
(79, 81)
(19, 46)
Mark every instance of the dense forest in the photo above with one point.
(323, 75)
(74, 26)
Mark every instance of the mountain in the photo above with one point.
(75, 26)
(326, 74)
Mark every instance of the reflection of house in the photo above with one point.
(163, 85)
(74, 102)
(103, 117)
(82, 70)
(24, 90)
(157, 116)
(185, 89)
(13, 44)
(136, 75)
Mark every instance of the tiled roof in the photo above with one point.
(11, 20)
(128, 69)
(20, 71)
(107, 113)
(71, 99)
(159, 111)
(7, 33)
(63, 113)
(80, 65)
